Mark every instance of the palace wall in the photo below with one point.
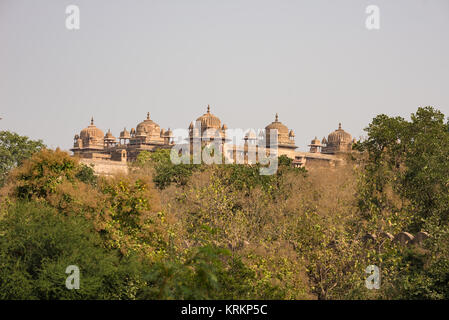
(106, 167)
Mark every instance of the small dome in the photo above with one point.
(109, 134)
(291, 134)
(339, 136)
(147, 127)
(91, 132)
(315, 142)
(208, 120)
(169, 133)
(250, 135)
(125, 134)
(224, 127)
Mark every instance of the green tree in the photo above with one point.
(404, 186)
(166, 172)
(37, 244)
(14, 149)
(195, 278)
(410, 159)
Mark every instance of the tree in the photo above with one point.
(195, 278)
(14, 149)
(166, 172)
(410, 158)
(37, 244)
(40, 175)
(404, 187)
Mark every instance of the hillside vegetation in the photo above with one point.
(169, 231)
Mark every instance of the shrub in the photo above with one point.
(37, 244)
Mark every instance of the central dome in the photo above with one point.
(91, 132)
(147, 127)
(279, 126)
(339, 136)
(208, 120)
(285, 137)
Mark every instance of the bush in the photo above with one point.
(165, 172)
(37, 244)
(40, 175)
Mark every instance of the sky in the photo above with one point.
(313, 62)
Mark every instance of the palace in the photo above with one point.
(107, 152)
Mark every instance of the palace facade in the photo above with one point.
(93, 146)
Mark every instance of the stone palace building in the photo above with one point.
(109, 153)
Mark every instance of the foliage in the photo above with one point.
(131, 219)
(195, 278)
(410, 159)
(40, 175)
(165, 172)
(86, 174)
(168, 231)
(404, 187)
(14, 149)
(37, 245)
(123, 208)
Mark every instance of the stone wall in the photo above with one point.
(106, 167)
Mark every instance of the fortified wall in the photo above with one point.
(106, 167)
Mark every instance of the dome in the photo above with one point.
(285, 136)
(315, 142)
(169, 133)
(109, 136)
(91, 132)
(339, 136)
(125, 134)
(251, 135)
(147, 127)
(277, 125)
(208, 120)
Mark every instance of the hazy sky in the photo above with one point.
(314, 62)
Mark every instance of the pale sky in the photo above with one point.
(312, 61)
